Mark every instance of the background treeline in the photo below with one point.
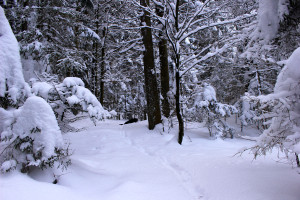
(163, 52)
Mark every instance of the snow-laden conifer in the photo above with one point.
(30, 136)
(72, 95)
(13, 88)
(206, 108)
(281, 112)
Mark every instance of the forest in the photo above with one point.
(210, 87)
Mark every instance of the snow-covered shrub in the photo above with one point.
(76, 94)
(13, 88)
(208, 109)
(283, 116)
(31, 138)
(249, 111)
(70, 95)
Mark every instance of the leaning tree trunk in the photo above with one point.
(164, 67)
(152, 95)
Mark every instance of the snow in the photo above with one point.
(41, 89)
(204, 96)
(270, 13)
(36, 112)
(10, 63)
(209, 93)
(90, 33)
(8, 165)
(268, 18)
(289, 76)
(72, 81)
(73, 100)
(130, 162)
(80, 95)
(87, 95)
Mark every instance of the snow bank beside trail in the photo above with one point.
(11, 75)
(20, 186)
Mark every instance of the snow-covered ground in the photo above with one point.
(113, 162)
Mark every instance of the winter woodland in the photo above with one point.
(214, 86)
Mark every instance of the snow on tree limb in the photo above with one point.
(239, 18)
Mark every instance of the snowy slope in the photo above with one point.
(112, 162)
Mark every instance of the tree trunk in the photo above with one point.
(178, 110)
(95, 70)
(152, 95)
(177, 96)
(297, 160)
(102, 66)
(164, 68)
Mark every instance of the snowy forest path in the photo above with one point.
(154, 149)
(133, 157)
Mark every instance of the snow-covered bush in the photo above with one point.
(283, 118)
(208, 109)
(70, 95)
(31, 137)
(75, 93)
(13, 88)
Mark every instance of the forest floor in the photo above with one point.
(113, 162)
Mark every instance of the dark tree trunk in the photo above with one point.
(177, 96)
(178, 109)
(164, 68)
(102, 67)
(95, 70)
(164, 79)
(297, 160)
(152, 95)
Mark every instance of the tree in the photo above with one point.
(183, 20)
(13, 88)
(281, 112)
(70, 95)
(206, 108)
(152, 96)
(30, 136)
(164, 66)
